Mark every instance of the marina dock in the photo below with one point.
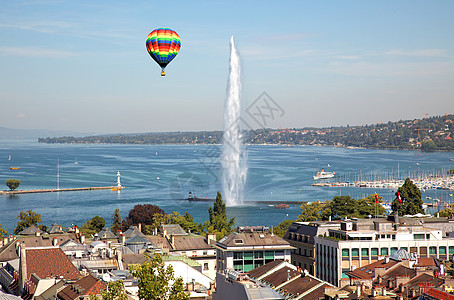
(59, 190)
(428, 183)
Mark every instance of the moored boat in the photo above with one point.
(324, 175)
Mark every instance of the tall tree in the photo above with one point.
(116, 220)
(115, 291)
(27, 219)
(410, 201)
(156, 281)
(218, 218)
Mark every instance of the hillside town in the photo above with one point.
(389, 257)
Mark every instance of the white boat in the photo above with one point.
(324, 175)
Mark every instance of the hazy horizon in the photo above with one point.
(83, 66)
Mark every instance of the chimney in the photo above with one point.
(122, 238)
(22, 268)
(272, 231)
(140, 227)
(211, 237)
(5, 241)
(156, 231)
(329, 218)
(37, 232)
(76, 229)
(119, 256)
(383, 291)
(82, 238)
(54, 242)
(386, 259)
(172, 241)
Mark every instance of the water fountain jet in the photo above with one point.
(233, 160)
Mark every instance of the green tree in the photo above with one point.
(447, 212)
(3, 232)
(315, 211)
(411, 199)
(27, 219)
(93, 226)
(116, 220)
(282, 228)
(344, 206)
(156, 281)
(115, 291)
(12, 184)
(450, 172)
(218, 218)
(369, 207)
(428, 146)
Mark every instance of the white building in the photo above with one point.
(361, 242)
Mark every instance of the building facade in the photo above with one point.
(361, 242)
(249, 248)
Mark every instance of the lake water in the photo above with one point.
(164, 174)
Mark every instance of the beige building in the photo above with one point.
(250, 247)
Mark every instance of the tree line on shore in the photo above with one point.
(428, 134)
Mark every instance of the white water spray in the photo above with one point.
(233, 161)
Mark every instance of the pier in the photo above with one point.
(95, 188)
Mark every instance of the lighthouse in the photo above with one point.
(118, 180)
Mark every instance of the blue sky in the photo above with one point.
(83, 65)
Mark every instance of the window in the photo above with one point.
(418, 236)
(237, 255)
(432, 250)
(393, 249)
(259, 254)
(346, 252)
(374, 252)
(384, 251)
(364, 253)
(269, 254)
(248, 255)
(355, 252)
(205, 266)
(442, 250)
(451, 249)
(205, 252)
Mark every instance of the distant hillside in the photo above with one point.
(9, 133)
(429, 134)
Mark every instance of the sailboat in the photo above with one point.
(75, 161)
(9, 157)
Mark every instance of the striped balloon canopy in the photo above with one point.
(163, 45)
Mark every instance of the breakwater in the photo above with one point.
(59, 190)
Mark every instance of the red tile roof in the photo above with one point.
(367, 271)
(50, 263)
(88, 285)
(262, 270)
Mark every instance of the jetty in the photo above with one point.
(95, 188)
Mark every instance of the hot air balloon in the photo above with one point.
(163, 45)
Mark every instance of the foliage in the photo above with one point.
(218, 222)
(115, 291)
(411, 199)
(450, 172)
(340, 207)
(315, 211)
(116, 220)
(447, 212)
(144, 214)
(156, 281)
(3, 232)
(95, 225)
(428, 134)
(282, 228)
(27, 219)
(12, 184)
(428, 146)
